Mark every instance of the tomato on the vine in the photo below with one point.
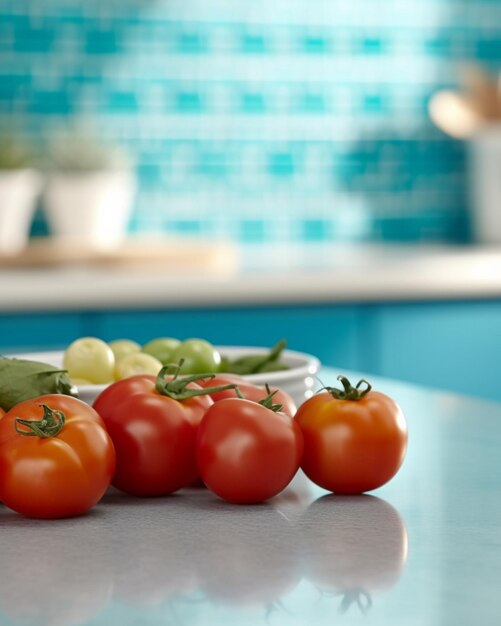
(249, 391)
(246, 451)
(355, 439)
(153, 424)
(56, 458)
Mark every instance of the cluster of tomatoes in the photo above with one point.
(151, 436)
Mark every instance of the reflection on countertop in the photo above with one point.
(182, 555)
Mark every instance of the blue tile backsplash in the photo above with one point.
(297, 120)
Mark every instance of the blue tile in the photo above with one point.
(315, 230)
(374, 103)
(185, 227)
(315, 45)
(149, 175)
(253, 103)
(122, 102)
(372, 46)
(253, 44)
(51, 103)
(39, 226)
(33, 40)
(79, 80)
(191, 43)
(189, 102)
(312, 103)
(489, 48)
(212, 165)
(11, 84)
(102, 42)
(281, 164)
(253, 231)
(438, 46)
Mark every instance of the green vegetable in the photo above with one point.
(90, 358)
(78, 151)
(256, 363)
(273, 366)
(14, 153)
(199, 357)
(162, 348)
(23, 380)
(123, 347)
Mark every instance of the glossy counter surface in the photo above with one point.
(281, 275)
(425, 549)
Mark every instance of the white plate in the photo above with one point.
(298, 381)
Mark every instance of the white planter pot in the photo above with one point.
(18, 194)
(91, 209)
(485, 180)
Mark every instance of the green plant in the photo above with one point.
(15, 154)
(79, 152)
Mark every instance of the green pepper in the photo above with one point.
(256, 363)
(23, 380)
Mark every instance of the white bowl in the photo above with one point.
(298, 381)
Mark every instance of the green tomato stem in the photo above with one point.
(349, 392)
(240, 395)
(268, 401)
(177, 388)
(49, 426)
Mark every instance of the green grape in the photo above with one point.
(199, 356)
(162, 348)
(80, 382)
(91, 359)
(137, 363)
(122, 347)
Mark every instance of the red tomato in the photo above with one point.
(246, 452)
(255, 393)
(56, 458)
(154, 434)
(354, 440)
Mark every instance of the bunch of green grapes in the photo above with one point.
(91, 361)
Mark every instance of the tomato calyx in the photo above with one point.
(177, 388)
(268, 401)
(349, 392)
(50, 425)
(358, 596)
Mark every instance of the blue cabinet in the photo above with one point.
(332, 333)
(449, 345)
(22, 331)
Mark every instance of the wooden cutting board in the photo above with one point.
(162, 254)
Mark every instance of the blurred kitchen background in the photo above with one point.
(278, 132)
(259, 121)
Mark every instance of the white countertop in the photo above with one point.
(424, 550)
(279, 275)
